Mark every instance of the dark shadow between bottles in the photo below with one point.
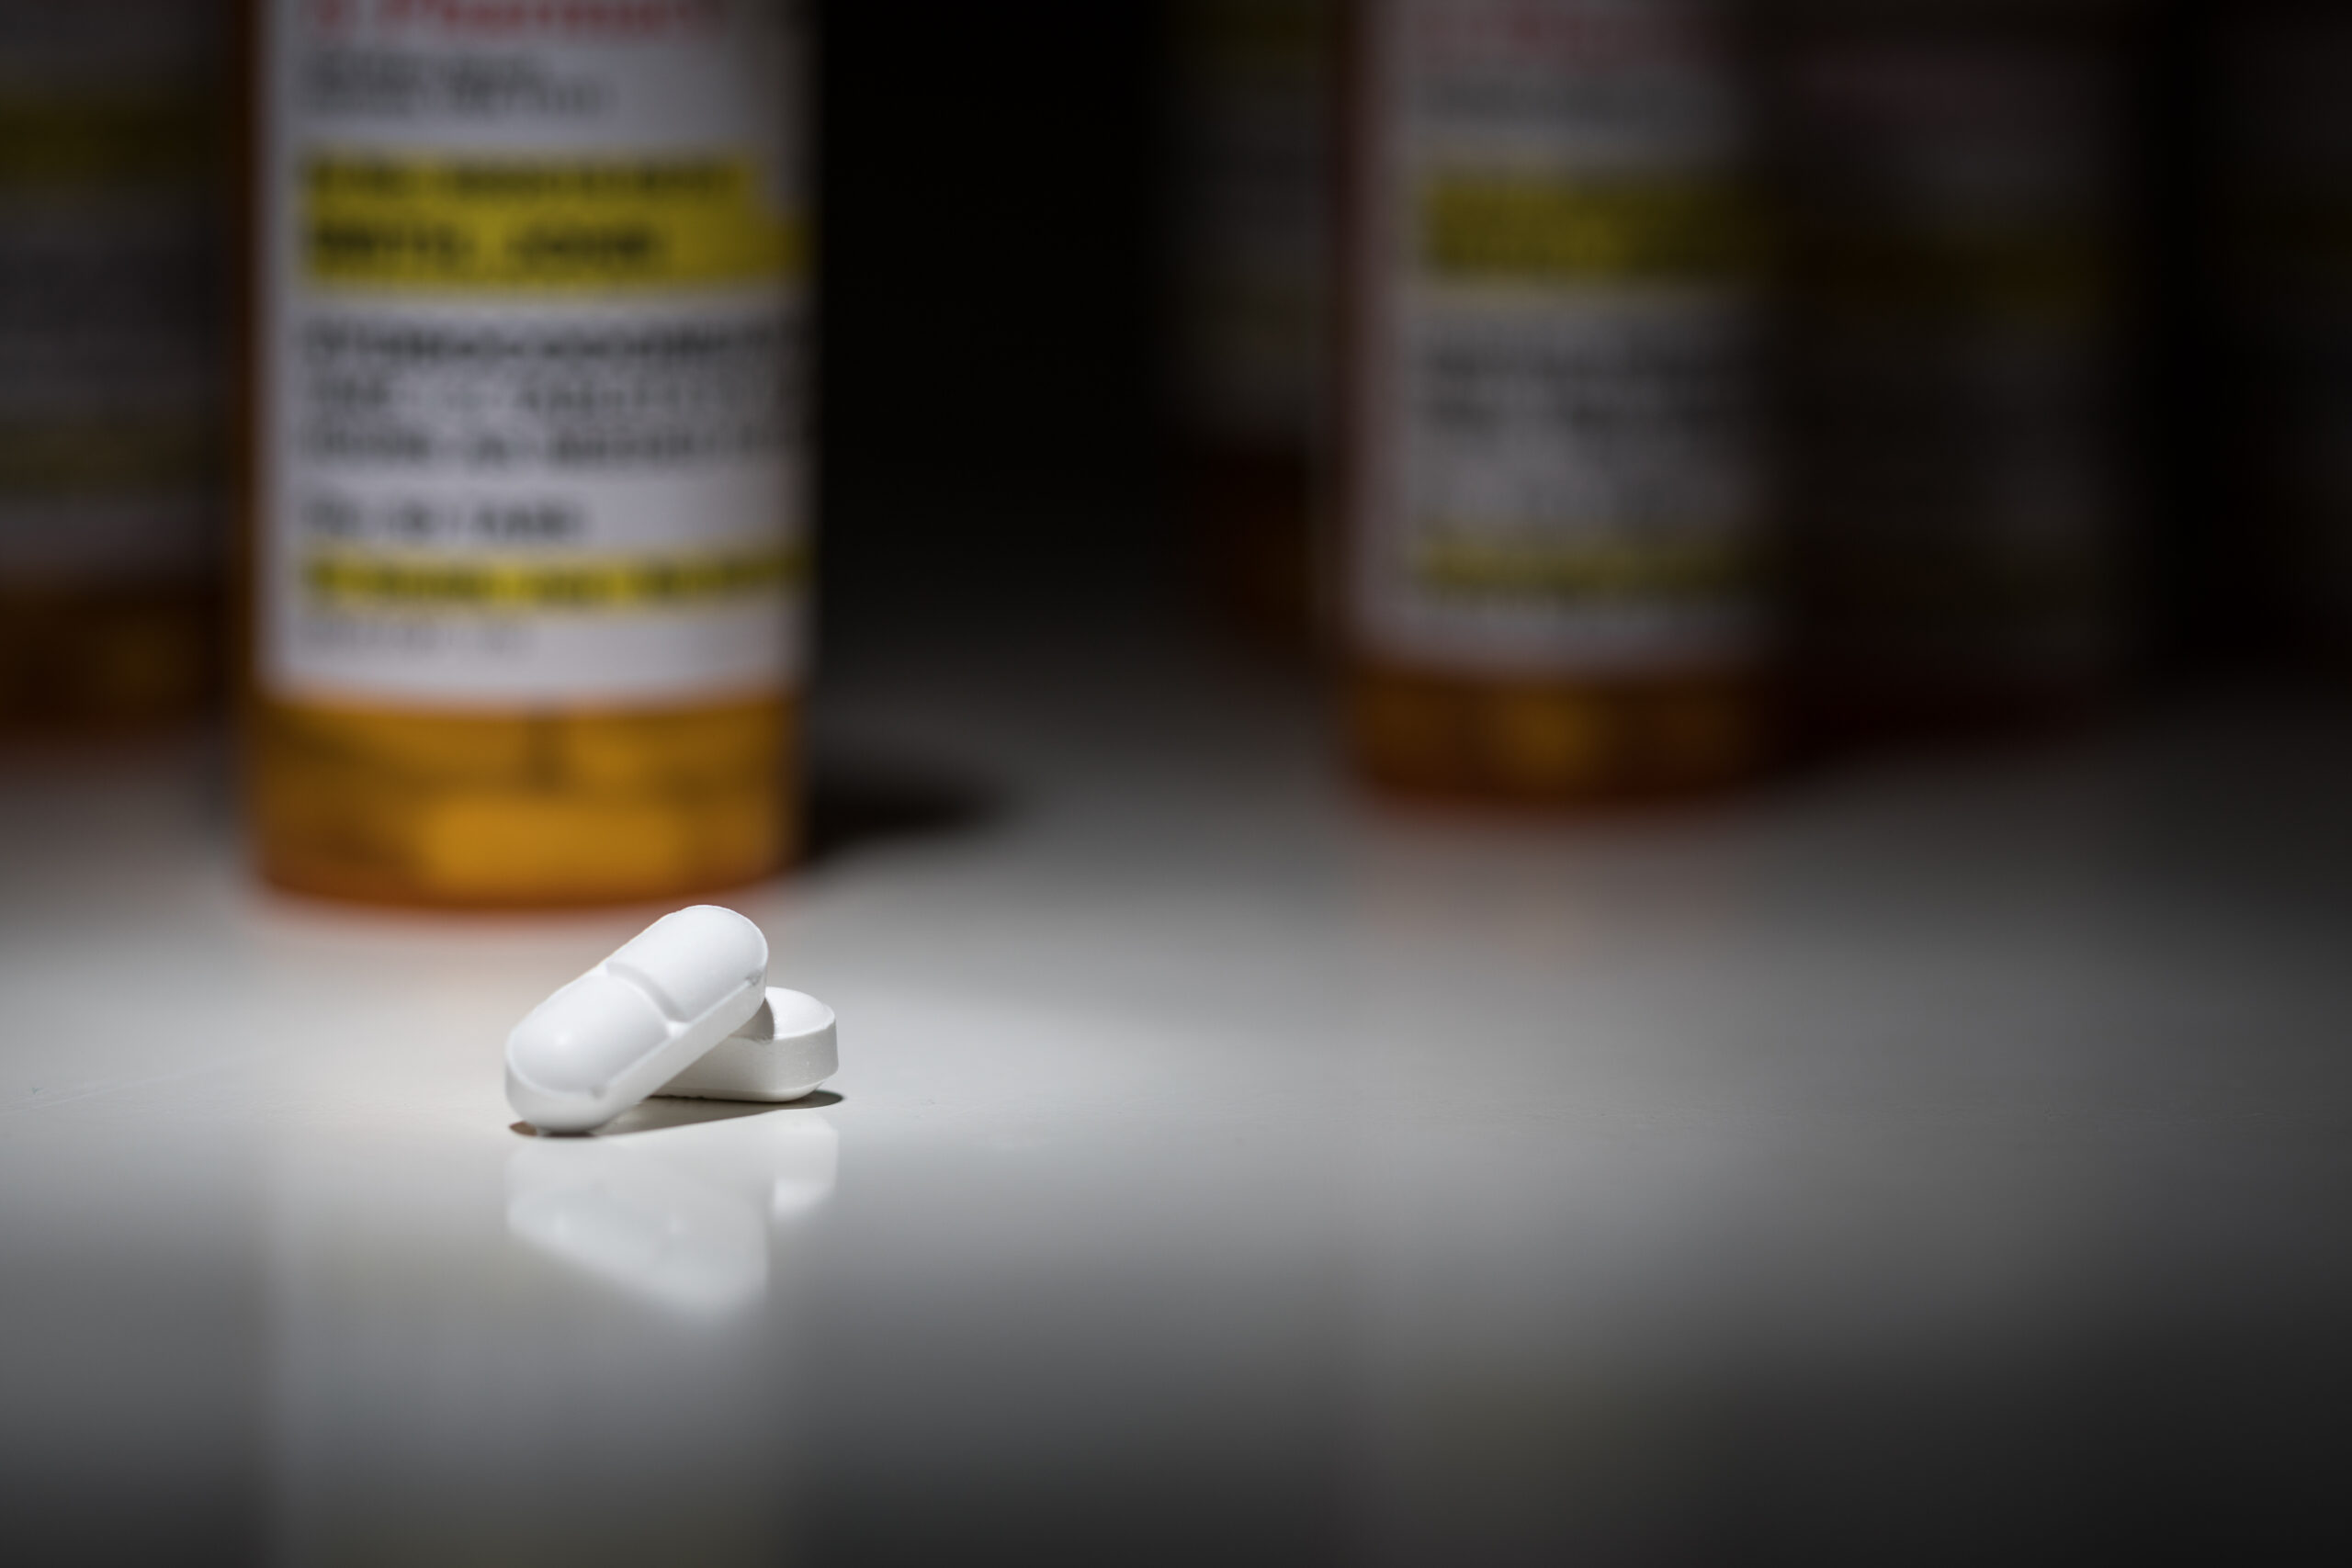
(856, 801)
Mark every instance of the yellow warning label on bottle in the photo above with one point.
(356, 581)
(490, 223)
(1512, 228)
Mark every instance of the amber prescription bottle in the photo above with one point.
(113, 374)
(1554, 474)
(1252, 348)
(1957, 175)
(527, 528)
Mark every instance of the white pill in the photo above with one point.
(783, 1053)
(624, 1029)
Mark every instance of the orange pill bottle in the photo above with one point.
(1959, 182)
(527, 527)
(113, 374)
(1252, 308)
(1555, 481)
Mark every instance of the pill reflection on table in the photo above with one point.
(683, 1217)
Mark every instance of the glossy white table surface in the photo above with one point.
(1932, 1160)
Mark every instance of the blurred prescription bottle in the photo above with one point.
(2284, 115)
(1959, 192)
(113, 379)
(1555, 477)
(527, 541)
(1253, 187)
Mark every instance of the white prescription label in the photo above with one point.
(531, 391)
(1558, 461)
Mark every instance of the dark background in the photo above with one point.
(991, 439)
(996, 243)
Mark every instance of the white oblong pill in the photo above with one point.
(787, 1050)
(618, 1032)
